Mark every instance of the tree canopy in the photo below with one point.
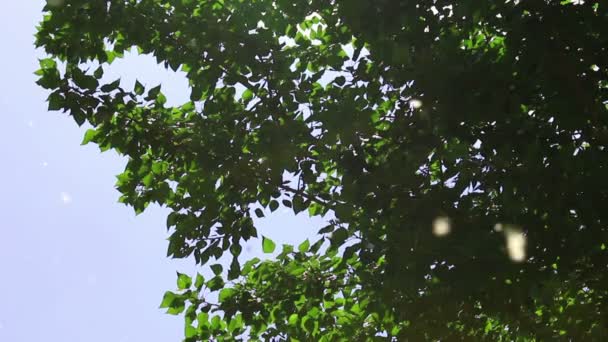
(456, 148)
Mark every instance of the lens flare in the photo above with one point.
(441, 226)
(415, 103)
(516, 243)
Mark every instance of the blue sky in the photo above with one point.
(76, 265)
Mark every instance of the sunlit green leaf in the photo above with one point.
(183, 281)
(268, 246)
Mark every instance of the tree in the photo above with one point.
(459, 146)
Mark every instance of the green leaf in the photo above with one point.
(89, 136)
(248, 266)
(293, 319)
(111, 86)
(268, 246)
(56, 101)
(171, 218)
(183, 281)
(287, 249)
(340, 80)
(327, 229)
(274, 205)
(199, 282)
(304, 246)
(196, 94)
(111, 56)
(47, 63)
(147, 180)
(202, 319)
(235, 267)
(217, 269)
(259, 213)
(339, 236)
(216, 323)
(139, 88)
(315, 209)
(84, 81)
(161, 99)
(298, 204)
(295, 270)
(158, 168)
(190, 331)
(177, 307)
(168, 299)
(98, 73)
(226, 294)
(247, 95)
(153, 93)
(308, 324)
(215, 283)
(236, 324)
(50, 79)
(236, 250)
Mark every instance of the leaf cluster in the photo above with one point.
(485, 119)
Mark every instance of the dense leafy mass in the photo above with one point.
(459, 148)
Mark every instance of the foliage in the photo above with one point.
(460, 147)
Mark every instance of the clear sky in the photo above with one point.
(77, 266)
